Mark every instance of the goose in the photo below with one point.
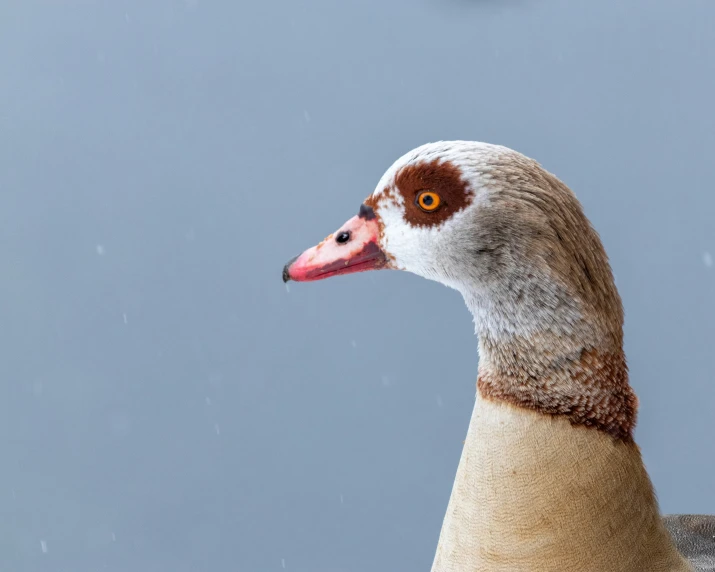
(550, 478)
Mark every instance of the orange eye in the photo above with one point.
(428, 201)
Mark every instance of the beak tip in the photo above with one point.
(286, 270)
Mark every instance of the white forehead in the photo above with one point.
(472, 158)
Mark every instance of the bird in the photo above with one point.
(550, 477)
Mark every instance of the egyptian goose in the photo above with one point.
(550, 478)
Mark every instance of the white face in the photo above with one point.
(430, 244)
(489, 239)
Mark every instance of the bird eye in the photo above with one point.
(428, 201)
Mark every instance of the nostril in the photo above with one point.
(343, 237)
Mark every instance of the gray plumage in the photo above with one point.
(694, 536)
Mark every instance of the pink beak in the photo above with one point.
(353, 248)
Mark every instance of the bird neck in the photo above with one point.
(536, 492)
(557, 374)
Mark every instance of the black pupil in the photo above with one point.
(427, 200)
(343, 237)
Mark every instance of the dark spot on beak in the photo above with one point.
(286, 273)
(366, 212)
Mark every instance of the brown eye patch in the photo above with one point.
(441, 178)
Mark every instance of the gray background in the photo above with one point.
(167, 404)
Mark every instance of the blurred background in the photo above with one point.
(166, 403)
